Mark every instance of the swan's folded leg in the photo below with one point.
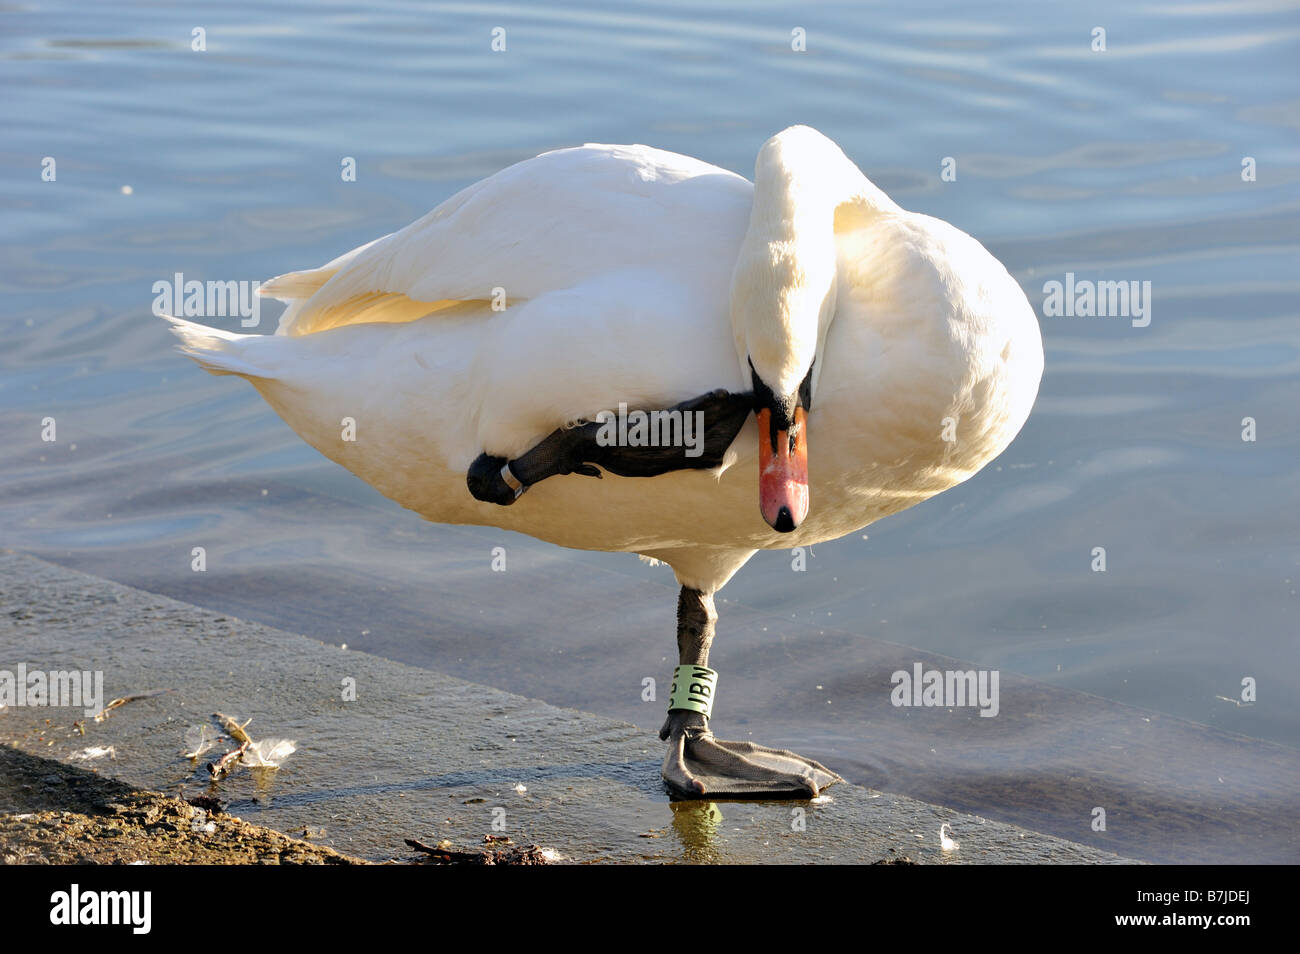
(701, 766)
(576, 450)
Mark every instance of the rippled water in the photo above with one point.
(1123, 164)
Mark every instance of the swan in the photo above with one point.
(848, 356)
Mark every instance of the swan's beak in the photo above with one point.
(783, 471)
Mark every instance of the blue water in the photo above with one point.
(1124, 164)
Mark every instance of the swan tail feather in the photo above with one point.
(215, 350)
(294, 285)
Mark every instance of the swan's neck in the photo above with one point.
(783, 286)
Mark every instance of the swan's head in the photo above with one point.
(782, 452)
(783, 300)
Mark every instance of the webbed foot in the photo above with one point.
(577, 450)
(698, 765)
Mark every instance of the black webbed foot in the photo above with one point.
(583, 449)
(698, 765)
(486, 483)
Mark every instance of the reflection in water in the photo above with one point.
(696, 825)
(264, 783)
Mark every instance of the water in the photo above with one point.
(1124, 164)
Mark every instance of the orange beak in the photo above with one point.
(783, 471)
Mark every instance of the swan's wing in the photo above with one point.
(544, 224)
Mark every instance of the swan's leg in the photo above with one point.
(699, 765)
(576, 450)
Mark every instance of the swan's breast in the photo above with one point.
(931, 366)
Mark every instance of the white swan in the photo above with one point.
(886, 354)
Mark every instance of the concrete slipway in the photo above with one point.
(418, 754)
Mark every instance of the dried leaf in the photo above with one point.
(235, 729)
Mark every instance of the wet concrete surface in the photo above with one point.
(417, 754)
